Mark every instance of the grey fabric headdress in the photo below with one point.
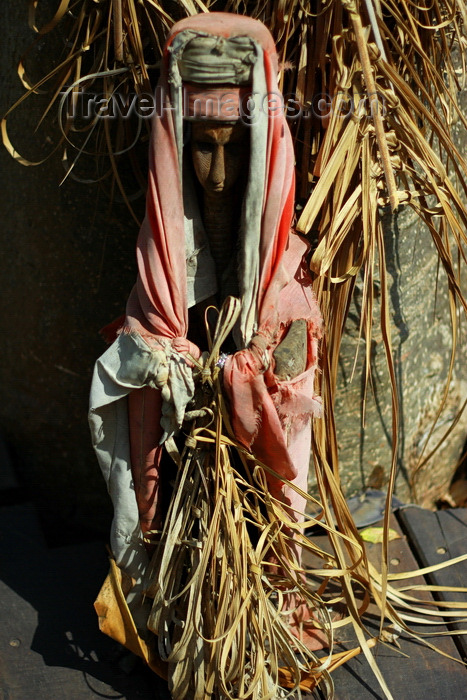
(204, 59)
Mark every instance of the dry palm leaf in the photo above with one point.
(221, 611)
(352, 177)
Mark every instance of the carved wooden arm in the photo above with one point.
(291, 353)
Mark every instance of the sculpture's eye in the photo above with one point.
(204, 147)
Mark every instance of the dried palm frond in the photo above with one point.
(229, 573)
(220, 618)
(98, 88)
(226, 578)
(352, 162)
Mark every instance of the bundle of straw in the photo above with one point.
(221, 610)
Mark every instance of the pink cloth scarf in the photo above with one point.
(269, 416)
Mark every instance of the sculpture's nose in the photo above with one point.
(217, 172)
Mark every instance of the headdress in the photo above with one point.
(205, 51)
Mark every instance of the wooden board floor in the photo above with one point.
(413, 672)
(51, 648)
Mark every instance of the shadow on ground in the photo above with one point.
(51, 644)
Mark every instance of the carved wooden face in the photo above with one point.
(220, 154)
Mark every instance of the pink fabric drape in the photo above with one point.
(270, 416)
(157, 307)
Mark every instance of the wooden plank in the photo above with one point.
(424, 674)
(436, 537)
(50, 644)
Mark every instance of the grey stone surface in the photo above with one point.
(421, 348)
